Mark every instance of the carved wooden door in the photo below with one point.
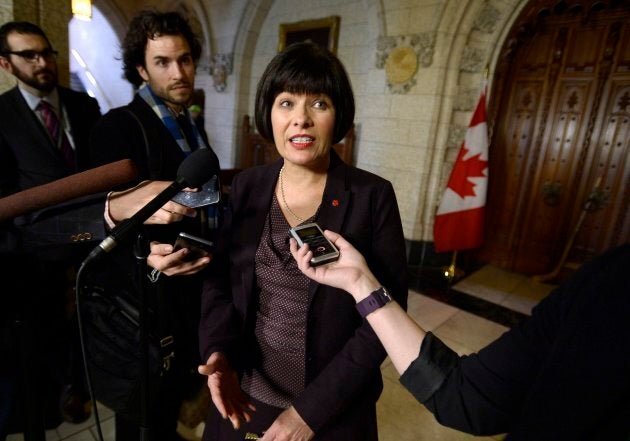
(561, 137)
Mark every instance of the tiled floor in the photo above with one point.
(513, 291)
(400, 417)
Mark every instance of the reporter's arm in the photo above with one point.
(475, 394)
(399, 334)
(124, 204)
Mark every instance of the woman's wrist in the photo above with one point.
(364, 287)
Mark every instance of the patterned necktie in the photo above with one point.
(52, 124)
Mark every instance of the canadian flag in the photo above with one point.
(460, 218)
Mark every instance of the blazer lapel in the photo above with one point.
(335, 202)
(259, 204)
(38, 153)
(29, 126)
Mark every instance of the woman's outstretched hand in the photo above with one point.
(225, 390)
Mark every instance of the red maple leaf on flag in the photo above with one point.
(464, 169)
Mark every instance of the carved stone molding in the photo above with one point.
(220, 68)
(487, 19)
(401, 55)
(473, 60)
(455, 136)
(466, 100)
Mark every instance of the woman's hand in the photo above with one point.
(350, 272)
(289, 426)
(225, 390)
(163, 259)
(124, 204)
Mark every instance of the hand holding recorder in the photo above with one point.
(323, 250)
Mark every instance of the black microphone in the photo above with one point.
(193, 172)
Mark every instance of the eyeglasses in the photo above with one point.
(33, 56)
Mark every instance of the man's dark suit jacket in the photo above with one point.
(29, 158)
(343, 353)
(43, 245)
(118, 136)
(28, 155)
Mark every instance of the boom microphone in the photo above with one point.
(193, 172)
(95, 180)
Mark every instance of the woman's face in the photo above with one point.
(303, 127)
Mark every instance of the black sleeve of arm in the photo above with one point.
(117, 136)
(482, 393)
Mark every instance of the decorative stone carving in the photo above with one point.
(472, 60)
(487, 19)
(401, 55)
(466, 100)
(455, 136)
(220, 67)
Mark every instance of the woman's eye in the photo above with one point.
(285, 103)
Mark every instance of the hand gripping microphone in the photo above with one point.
(193, 172)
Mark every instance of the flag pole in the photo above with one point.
(458, 223)
(449, 271)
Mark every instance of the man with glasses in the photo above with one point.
(45, 127)
(44, 131)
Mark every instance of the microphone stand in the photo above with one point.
(141, 252)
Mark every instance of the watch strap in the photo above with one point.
(377, 299)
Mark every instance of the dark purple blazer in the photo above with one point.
(343, 353)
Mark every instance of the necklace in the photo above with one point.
(284, 200)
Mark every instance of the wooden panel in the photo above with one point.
(584, 49)
(622, 64)
(552, 191)
(609, 225)
(534, 58)
(510, 159)
(561, 124)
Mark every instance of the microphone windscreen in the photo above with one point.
(198, 168)
(95, 180)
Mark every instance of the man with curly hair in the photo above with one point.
(157, 132)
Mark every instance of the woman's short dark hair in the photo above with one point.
(149, 25)
(305, 68)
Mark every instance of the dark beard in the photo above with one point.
(45, 86)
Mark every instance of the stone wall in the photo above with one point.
(409, 125)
